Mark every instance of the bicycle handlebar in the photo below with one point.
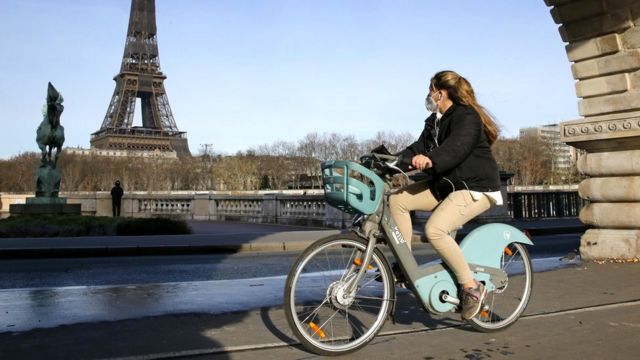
(385, 157)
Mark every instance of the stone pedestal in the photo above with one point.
(47, 181)
(45, 205)
(603, 43)
(41, 206)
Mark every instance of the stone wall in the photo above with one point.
(603, 43)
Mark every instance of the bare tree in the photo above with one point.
(393, 142)
(18, 173)
(278, 165)
(309, 160)
(507, 154)
(528, 157)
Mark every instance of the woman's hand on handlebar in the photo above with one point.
(421, 162)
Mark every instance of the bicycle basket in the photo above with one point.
(351, 187)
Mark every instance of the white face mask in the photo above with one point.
(430, 104)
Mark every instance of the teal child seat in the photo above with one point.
(351, 187)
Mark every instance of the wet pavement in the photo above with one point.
(27, 309)
(584, 311)
(578, 310)
(49, 293)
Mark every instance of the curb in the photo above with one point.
(213, 244)
(177, 245)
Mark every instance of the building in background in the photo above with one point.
(563, 157)
(151, 154)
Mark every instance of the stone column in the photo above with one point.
(201, 207)
(603, 39)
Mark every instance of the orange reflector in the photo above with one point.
(484, 314)
(317, 330)
(508, 251)
(358, 262)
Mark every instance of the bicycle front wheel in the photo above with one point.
(326, 311)
(503, 306)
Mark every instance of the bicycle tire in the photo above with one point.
(322, 315)
(502, 307)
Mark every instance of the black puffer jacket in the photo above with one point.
(462, 152)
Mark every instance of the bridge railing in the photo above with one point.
(288, 207)
(553, 204)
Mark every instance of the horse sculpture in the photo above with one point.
(50, 133)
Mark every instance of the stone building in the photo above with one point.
(150, 154)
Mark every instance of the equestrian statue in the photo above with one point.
(50, 135)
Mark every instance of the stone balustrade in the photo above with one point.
(285, 207)
(306, 208)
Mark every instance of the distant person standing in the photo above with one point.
(116, 198)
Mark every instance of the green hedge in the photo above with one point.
(76, 225)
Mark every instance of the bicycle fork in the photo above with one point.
(368, 254)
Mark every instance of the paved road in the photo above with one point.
(586, 311)
(57, 272)
(154, 307)
(51, 292)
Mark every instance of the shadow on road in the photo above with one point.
(188, 334)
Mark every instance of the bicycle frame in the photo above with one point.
(338, 310)
(434, 283)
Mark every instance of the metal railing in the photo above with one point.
(547, 204)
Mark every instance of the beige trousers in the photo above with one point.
(448, 215)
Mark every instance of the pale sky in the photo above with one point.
(242, 73)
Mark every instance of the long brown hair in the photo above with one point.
(461, 92)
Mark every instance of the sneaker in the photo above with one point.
(472, 299)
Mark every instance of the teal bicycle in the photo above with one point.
(341, 289)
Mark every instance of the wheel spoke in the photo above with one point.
(322, 313)
(315, 312)
(504, 306)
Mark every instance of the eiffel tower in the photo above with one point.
(140, 78)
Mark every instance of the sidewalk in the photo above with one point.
(586, 311)
(216, 237)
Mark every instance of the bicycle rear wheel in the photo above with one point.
(323, 314)
(504, 306)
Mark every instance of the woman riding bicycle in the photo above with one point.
(455, 149)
